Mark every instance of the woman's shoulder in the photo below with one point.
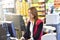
(39, 21)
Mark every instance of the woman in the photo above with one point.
(34, 25)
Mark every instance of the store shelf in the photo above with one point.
(41, 2)
(40, 6)
(41, 11)
(41, 15)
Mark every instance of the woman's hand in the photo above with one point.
(31, 39)
(22, 38)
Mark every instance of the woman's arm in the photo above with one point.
(27, 33)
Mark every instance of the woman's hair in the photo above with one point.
(34, 12)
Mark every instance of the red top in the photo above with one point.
(38, 22)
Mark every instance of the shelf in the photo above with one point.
(41, 2)
(41, 11)
(41, 15)
(40, 6)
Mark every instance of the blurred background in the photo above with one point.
(14, 15)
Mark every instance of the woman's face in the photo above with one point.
(30, 14)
